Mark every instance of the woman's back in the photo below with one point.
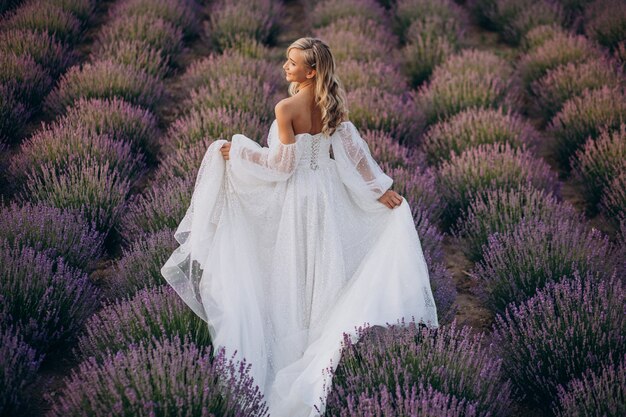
(306, 115)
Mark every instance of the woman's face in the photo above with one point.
(295, 68)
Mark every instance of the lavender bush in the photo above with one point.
(376, 32)
(419, 187)
(56, 147)
(448, 94)
(601, 393)
(25, 77)
(95, 189)
(530, 15)
(182, 163)
(151, 315)
(326, 12)
(44, 16)
(213, 123)
(373, 108)
(500, 211)
(613, 203)
(117, 118)
(249, 47)
(231, 20)
(586, 116)
(539, 35)
(236, 92)
(140, 264)
(48, 300)
(448, 15)
(161, 207)
(13, 114)
(231, 62)
(169, 377)
(47, 51)
(18, 368)
(183, 14)
(570, 80)
(475, 61)
(155, 32)
(417, 400)
(476, 126)
(514, 18)
(599, 161)
(450, 360)
(424, 51)
(380, 74)
(357, 38)
(558, 334)
(55, 232)
(604, 22)
(518, 263)
(105, 79)
(478, 170)
(82, 9)
(390, 152)
(137, 54)
(559, 50)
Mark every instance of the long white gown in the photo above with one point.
(283, 249)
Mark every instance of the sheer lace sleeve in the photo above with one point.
(357, 168)
(275, 163)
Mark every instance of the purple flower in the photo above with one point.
(397, 358)
(518, 262)
(486, 167)
(160, 207)
(500, 210)
(160, 378)
(151, 313)
(54, 231)
(18, 367)
(564, 330)
(47, 299)
(140, 264)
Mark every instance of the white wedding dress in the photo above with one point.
(283, 249)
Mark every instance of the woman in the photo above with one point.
(283, 249)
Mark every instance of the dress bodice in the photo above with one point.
(314, 150)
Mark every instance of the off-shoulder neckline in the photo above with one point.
(309, 134)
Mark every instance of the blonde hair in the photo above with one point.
(329, 93)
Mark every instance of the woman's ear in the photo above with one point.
(311, 73)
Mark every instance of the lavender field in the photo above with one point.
(502, 122)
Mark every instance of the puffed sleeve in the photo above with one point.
(277, 162)
(357, 168)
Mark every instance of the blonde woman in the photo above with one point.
(284, 249)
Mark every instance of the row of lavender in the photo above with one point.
(222, 102)
(37, 44)
(72, 177)
(553, 281)
(150, 330)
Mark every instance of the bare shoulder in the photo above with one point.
(284, 115)
(286, 105)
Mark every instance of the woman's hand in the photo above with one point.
(225, 150)
(391, 199)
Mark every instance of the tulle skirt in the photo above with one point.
(280, 270)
